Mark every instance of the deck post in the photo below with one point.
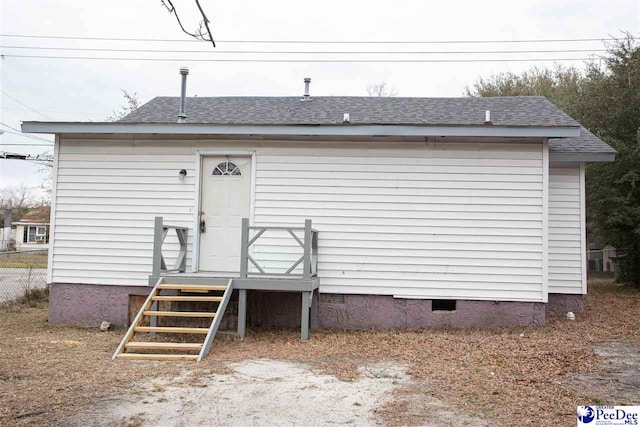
(244, 249)
(242, 312)
(157, 247)
(304, 322)
(314, 310)
(153, 320)
(306, 263)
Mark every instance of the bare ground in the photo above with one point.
(55, 374)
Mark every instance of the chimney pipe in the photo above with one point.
(182, 116)
(307, 82)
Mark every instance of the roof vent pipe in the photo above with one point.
(307, 82)
(182, 116)
(487, 117)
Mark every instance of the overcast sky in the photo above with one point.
(82, 90)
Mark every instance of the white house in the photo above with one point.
(32, 231)
(428, 211)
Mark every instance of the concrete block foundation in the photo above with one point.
(88, 305)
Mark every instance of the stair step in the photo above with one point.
(164, 345)
(185, 298)
(141, 356)
(193, 288)
(180, 313)
(171, 330)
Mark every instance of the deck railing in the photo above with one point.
(309, 244)
(160, 232)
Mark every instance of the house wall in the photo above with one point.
(417, 220)
(567, 261)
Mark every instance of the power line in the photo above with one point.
(50, 143)
(58, 112)
(599, 39)
(29, 136)
(24, 105)
(25, 145)
(276, 52)
(302, 60)
(19, 132)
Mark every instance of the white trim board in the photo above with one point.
(583, 227)
(545, 221)
(200, 154)
(52, 213)
(325, 130)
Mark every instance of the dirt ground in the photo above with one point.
(474, 376)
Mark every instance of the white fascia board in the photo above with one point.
(581, 157)
(301, 130)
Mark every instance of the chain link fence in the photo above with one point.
(23, 274)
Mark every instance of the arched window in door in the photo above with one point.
(227, 168)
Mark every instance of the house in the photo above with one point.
(389, 212)
(32, 231)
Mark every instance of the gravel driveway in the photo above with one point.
(14, 281)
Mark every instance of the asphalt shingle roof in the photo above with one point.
(585, 143)
(505, 111)
(524, 111)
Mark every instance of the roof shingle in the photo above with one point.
(505, 111)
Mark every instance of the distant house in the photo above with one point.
(32, 231)
(399, 212)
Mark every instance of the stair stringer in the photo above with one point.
(216, 320)
(146, 306)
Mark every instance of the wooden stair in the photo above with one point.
(173, 350)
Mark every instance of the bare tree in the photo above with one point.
(17, 197)
(131, 103)
(203, 32)
(381, 89)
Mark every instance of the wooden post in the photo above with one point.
(306, 264)
(157, 247)
(304, 322)
(244, 249)
(242, 312)
(314, 310)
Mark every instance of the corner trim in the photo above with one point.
(52, 214)
(583, 228)
(545, 221)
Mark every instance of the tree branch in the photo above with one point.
(199, 33)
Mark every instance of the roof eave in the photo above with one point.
(303, 130)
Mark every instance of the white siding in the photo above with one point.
(565, 231)
(406, 219)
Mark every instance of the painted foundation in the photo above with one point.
(386, 312)
(563, 303)
(89, 305)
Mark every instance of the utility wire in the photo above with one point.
(276, 52)
(50, 143)
(22, 134)
(301, 60)
(600, 39)
(58, 112)
(24, 105)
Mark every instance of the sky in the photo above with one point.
(51, 89)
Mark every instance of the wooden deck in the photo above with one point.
(301, 277)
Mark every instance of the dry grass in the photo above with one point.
(493, 373)
(26, 259)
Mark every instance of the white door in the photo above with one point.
(225, 200)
